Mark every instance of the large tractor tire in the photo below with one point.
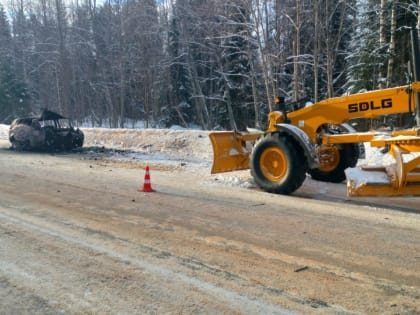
(278, 164)
(337, 159)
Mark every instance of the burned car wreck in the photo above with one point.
(49, 131)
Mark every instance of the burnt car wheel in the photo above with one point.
(67, 142)
(18, 145)
(50, 138)
(78, 139)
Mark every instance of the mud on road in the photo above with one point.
(77, 237)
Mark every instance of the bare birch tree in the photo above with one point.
(391, 53)
(382, 38)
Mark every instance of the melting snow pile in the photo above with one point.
(360, 177)
(374, 157)
(182, 144)
(4, 131)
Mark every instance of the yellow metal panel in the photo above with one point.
(348, 138)
(229, 150)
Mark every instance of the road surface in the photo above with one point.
(78, 237)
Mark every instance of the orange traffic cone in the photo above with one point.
(147, 186)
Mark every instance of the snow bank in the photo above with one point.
(185, 144)
(360, 177)
(187, 147)
(4, 132)
(190, 144)
(375, 157)
(176, 143)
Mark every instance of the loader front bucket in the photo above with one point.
(401, 178)
(230, 152)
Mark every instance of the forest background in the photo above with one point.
(214, 64)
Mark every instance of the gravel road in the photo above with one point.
(78, 237)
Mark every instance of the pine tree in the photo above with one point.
(369, 62)
(14, 98)
(236, 71)
(178, 109)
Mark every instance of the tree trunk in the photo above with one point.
(382, 39)
(296, 52)
(201, 108)
(255, 94)
(228, 99)
(122, 69)
(391, 46)
(316, 50)
(261, 41)
(63, 69)
(332, 46)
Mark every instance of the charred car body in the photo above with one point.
(49, 131)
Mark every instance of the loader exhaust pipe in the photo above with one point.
(415, 62)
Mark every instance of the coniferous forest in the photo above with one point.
(207, 63)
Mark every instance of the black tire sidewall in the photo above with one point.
(296, 169)
(349, 154)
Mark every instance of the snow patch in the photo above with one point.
(360, 177)
(233, 152)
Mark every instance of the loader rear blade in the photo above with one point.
(401, 178)
(230, 152)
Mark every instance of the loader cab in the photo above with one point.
(280, 104)
(279, 101)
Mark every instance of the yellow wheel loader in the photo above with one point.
(317, 140)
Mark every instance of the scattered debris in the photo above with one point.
(302, 269)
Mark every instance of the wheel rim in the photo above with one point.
(329, 158)
(273, 164)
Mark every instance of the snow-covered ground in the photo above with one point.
(189, 149)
